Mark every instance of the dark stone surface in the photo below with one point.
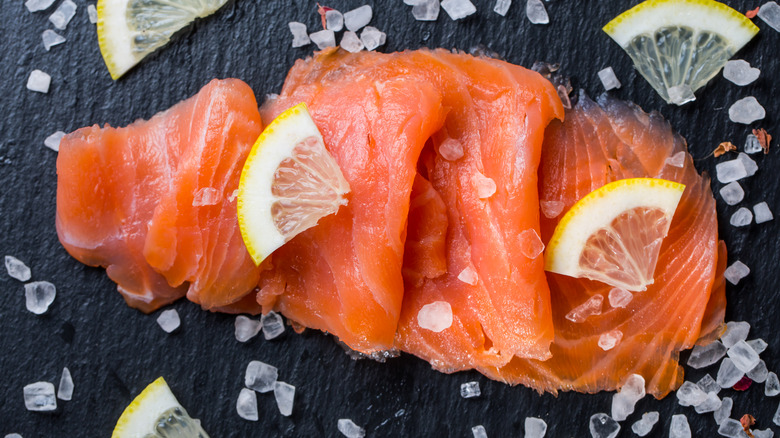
(113, 351)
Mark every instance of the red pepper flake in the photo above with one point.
(747, 422)
(322, 10)
(743, 384)
(763, 139)
(752, 13)
(724, 147)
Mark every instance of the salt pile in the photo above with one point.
(246, 328)
(436, 316)
(535, 427)
(426, 10)
(680, 94)
(643, 426)
(732, 193)
(737, 271)
(762, 213)
(536, 13)
(469, 390)
(284, 393)
(608, 79)
(741, 217)
(502, 7)
(63, 14)
(349, 429)
(65, 389)
(740, 72)
(17, 269)
(38, 81)
(38, 296)
(485, 186)
(246, 405)
(619, 297)
(679, 428)
(625, 399)
(39, 396)
(469, 276)
(273, 326)
(334, 20)
(479, 431)
(587, 309)
(51, 38)
(746, 111)
(770, 13)
(260, 376)
(603, 426)
(299, 33)
(706, 355)
(53, 141)
(323, 39)
(357, 18)
(372, 38)
(351, 42)
(531, 244)
(169, 320)
(38, 5)
(458, 9)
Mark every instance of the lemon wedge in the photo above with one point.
(679, 45)
(289, 182)
(614, 233)
(129, 30)
(155, 413)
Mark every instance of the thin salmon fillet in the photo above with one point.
(124, 200)
(598, 144)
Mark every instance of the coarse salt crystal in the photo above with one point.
(458, 9)
(608, 340)
(205, 196)
(741, 217)
(357, 18)
(746, 111)
(349, 429)
(608, 79)
(740, 72)
(587, 309)
(299, 33)
(535, 12)
(468, 276)
(53, 141)
(351, 42)
(38, 5)
(531, 244)
(435, 316)
(479, 431)
(63, 14)
(17, 269)
(51, 38)
(426, 10)
(619, 297)
(762, 213)
(645, 425)
(485, 186)
(451, 149)
(323, 39)
(732, 193)
(334, 20)
(284, 393)
(502, 7)
(770, 14)
(372, 38)
(246, 405)
(38, 81)
(92, 14)
(551, 209)
(469, 390)
(38, 296)
(736, 272)
(169, 320)
(752, 145)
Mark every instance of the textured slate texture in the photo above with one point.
(114, 351)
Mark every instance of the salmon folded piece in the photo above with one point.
(154, 202)
(598, 144)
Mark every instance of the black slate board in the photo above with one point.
(114, 351)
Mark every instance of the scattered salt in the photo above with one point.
(731, 170)
(624, 401)
(706, 355)
(63, 14)
(451, 149)
(323, 39)
(759, 345)
(603, 426)
(728, 374)
(469, 390)
(608, 340)
(680, 94)
(436, 316)
(92, 13)
(458, 9)
(679, 427)
(690, 394)
(53, 141)
(752, 145)
(351, 42)
(205, 196)
(536, 13)
(619, 297)
(285, 395)
(426, 10)
(759, 373)
(710, 404)
(708, 384)
(39, 396)
(299, 33)
(246, 328)
(608, 79)
(169, 320)
(770, 13)
(51, 38)
(724, 411)
(502, 7)
(732, 193)
(246, 405)
(746, 111)
(38, 81)
(736, 272)
(38, 5)
(469, 276)
(273, 325)
(334, 20)
(587, 309)
(260, 376)
(551, 209)
(17, 269)
(531, 244)
(484, 186)
(39, 295)
(771, 385)
(743, 356)
(676, 160)
(731, 428)
(479, 431)
(349, 429)
(741, 217)
(65, 390)
(535, 427)
(735, 331)
(643, 426)
(372, 38)
(357, 18)
(740, 72)
(762, 213)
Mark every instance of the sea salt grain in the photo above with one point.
(357, 18)
(740, 72)
(743, 356)
(608, 340)
(531, 244)
(619, 297)
(735, 331)
(372, 38)
(299, 33)
(451, 149)
(246, 328)
(710, 404)
(436, 316)
(679, 428)
(706, 355)
(535, 428)
(63, 14)
(284, 393)
(260, 376)
(426, 10)
(587, 309)
(728, 374)
(770, 13)
(759, 373)
(772, 385)
(608, 79)
(17, 269)
(731, 428)
(762, 213)
(776, 418)
(39, 397)
(736, 272)
(690, 394)
(273, 325)
(676, 160)
(750, 166)
(643, 426)
(624, 401)
(38, 5)
(732, 193)
(731, 170)
(334, 20)
(205, 196)
(323, 39)
(65, 390)
(536, 13)
(458, 9)
(469, 390)
(766, 433)
(169, 320)
(484, 186)
(680, 94)
(53, 141)
(758, 345)
(502, 7)
(708, 384)
(551, 209)
(351, 42)
(603, 426)
(752, 145)
(349, 429)
(469, 276)
(479, 431)
(38, 296)
(38, 81)
(13, 435)
(741, 217)
(746, 111)
(51, 38)
(246, 405)
(724, 411)
(92, 14)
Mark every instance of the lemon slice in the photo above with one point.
(155, 413)
(614, 233)
(679, 45)
(289, 182)
(128, 30)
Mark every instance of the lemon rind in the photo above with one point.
(139, 417)
(707, 15)
(116, 50)
(599, 208)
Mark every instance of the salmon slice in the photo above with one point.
(125, 200)
(598, 144)
(497, 113)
